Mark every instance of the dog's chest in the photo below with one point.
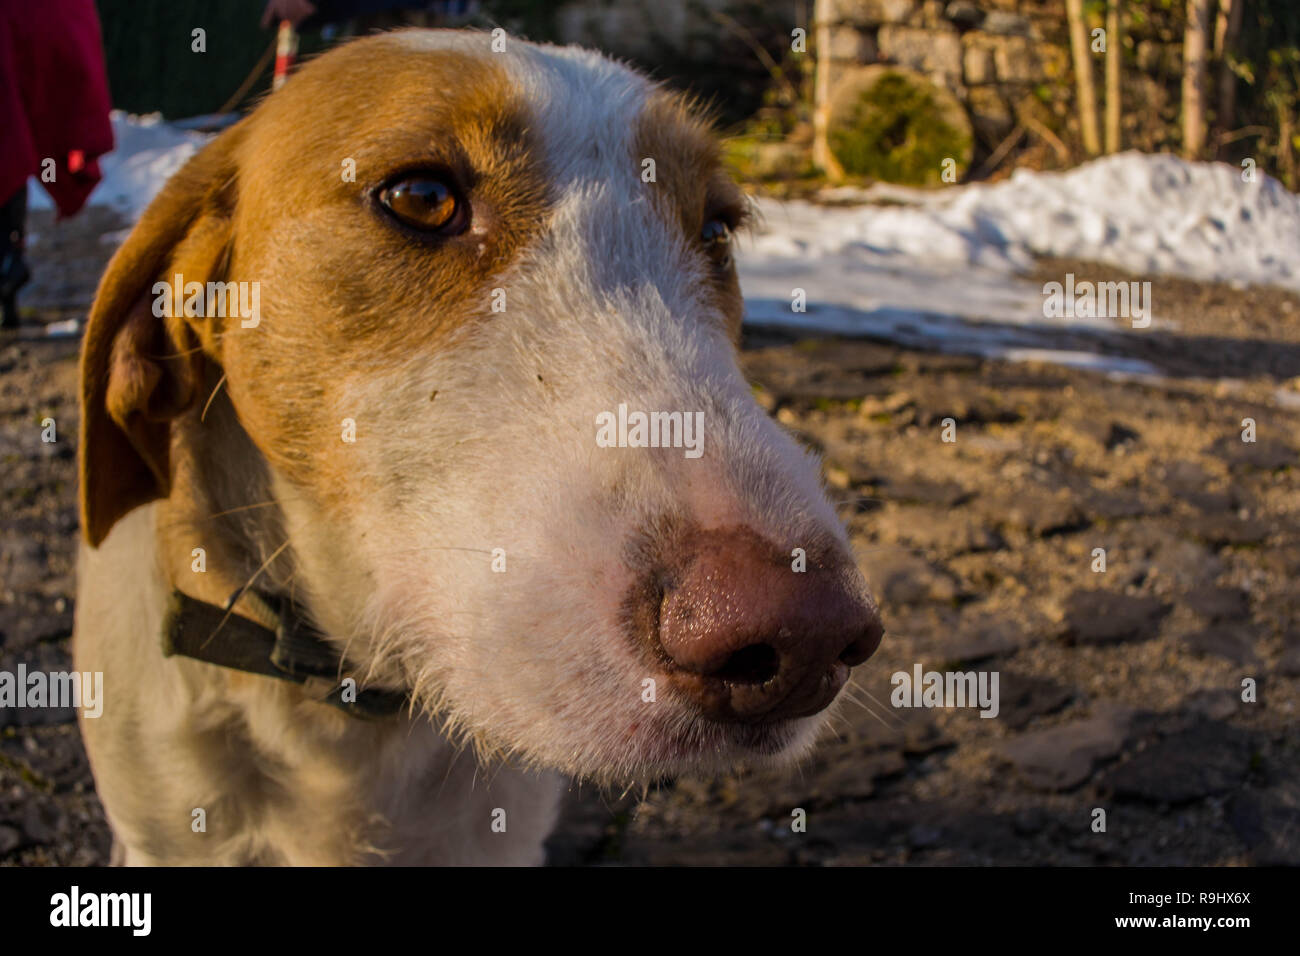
(198, 764)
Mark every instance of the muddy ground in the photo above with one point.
(1121, 690)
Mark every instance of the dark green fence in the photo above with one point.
(152, 64)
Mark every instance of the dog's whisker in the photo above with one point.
(208, 404)
(889, 547)
(862, 704)
(439, 547)
(855, 499)
(880, 704)
(231, 511)
(853, 693)
(247, 584)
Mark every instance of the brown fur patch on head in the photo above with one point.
(346, 292)
(692, 185)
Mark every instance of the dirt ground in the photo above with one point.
(1120, 690)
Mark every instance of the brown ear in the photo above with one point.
(140, 366)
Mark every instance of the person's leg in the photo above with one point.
(13, 271)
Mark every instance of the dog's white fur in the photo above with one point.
(529, 665)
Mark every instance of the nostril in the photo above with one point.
(861, 648)
(755, 664)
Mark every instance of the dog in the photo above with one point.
(373, 568)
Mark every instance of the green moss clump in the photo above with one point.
(897, 132)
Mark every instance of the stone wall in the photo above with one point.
(991, 54)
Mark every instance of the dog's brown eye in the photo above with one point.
(715, 234)
(422, 202)
(716, 239)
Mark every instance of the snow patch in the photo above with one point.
(939, 269)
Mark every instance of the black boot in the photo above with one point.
(13, 271)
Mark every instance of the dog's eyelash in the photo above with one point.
(736, 216)
(731, 217)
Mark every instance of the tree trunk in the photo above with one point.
(1194, 49)
(822, 157)
(1285, 151)
(1114, 97)
(1083, 77)
(1226, 29)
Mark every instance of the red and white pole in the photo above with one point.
(286, 50)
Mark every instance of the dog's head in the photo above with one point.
(485, 371)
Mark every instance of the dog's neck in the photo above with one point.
(221, 502)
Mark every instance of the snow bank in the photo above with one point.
(1143, 213)
(938, 269)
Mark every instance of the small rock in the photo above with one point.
(936, 530)
(1213, 704)
(922, 836)
(1230, 642)
(902, 578)
(1007, 24)
(1022, 698)
(1107, 505)
(923, 737)
(875, 12)
(964, 14)
(1213, 502)
(978, 644)
(30, 620)
(978, 67)
(1218, 603)
(1205, 760)
(850, 776)
(1108, 617)
(1228, 530)
(10, 839)
(1120, 436)
(1258, 455)
(925, 491)
(1289, 663)
(24, 561)
(1182, 477)
(1031, 821)
(41, 819)
(1185, 565)
(1268, 822)
(1061, 758)
(1041, 513)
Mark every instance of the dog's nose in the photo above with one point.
(753, 639)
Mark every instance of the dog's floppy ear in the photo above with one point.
(141, 366)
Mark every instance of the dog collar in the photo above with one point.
(286, 648)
